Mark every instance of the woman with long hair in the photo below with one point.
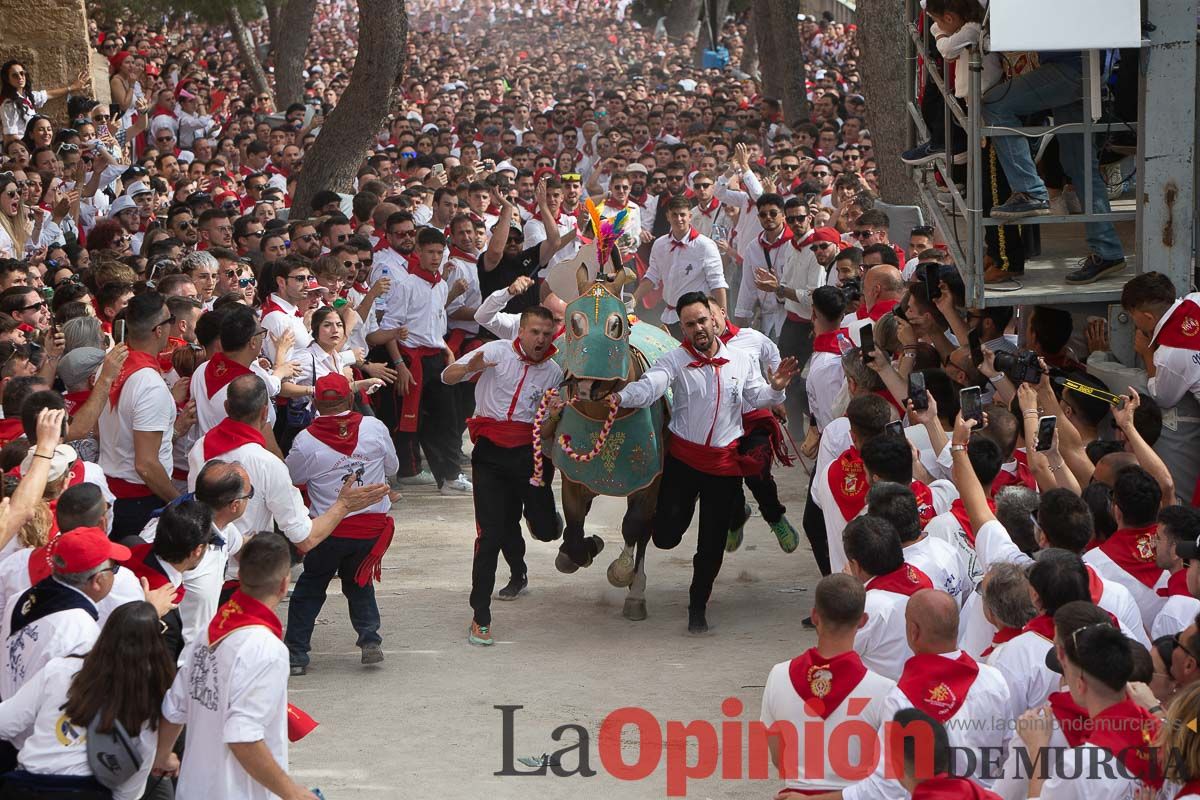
(39, 132)
(15, 227)
(1178, 747)
(122, 680)
(19, 101)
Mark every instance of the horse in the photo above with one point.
(602, 349)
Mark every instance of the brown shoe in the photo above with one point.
(997, 275)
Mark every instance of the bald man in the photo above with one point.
(883, 286)
(1108, 467)
(948, 685)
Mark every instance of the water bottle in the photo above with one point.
(844, 344)
(380, 300)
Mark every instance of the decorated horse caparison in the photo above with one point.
(598, 448)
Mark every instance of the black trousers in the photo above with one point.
(436, 432)
(130, 515)
(814, 530)
(502, 494)
(796, 341)
(334, 556)
(762, 485)
(682, 485)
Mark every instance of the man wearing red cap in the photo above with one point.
(232, 693)
(58, 616)
(339, 444)
(513, 376)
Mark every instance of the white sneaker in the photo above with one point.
(422, 478)
(461, 484)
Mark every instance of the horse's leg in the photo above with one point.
(635, 601)
(576, 551)
(638, 527)
(635, 527)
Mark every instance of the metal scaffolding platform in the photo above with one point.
(1155, 221)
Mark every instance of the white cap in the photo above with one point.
(122, 203)
(137, 188)
(60, 463)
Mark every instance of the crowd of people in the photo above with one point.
(203, 384)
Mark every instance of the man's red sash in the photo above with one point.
(1073, 721)
(156, 579)
(410, 404)
(709, 459)
(502, 433)
(137, 360)
(380, 527)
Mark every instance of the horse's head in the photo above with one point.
(595, 352)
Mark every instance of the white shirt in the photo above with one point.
(278, 321)
(945, 527)
(749, 296)
(276, 501)
(758, 347)
(800, 271)
(969, 728)
(681, 266)
(940, 562)
(324, 469)
(1077, 785)
(1177, 370)
(419, 306)
(237, 693)
(535, 233)
(511, 390)
(824, 381)
(316, 363)
(63, 633)
(881, 642)
(203, 582)
(146, 405)
(706, 402)
(1022, 662)
(471, 298)
(14, 117)
(53, 745)
(490, 314)
(1177, 613)
(388, 259)
(211, 410)
(1148, 600)
(781, 703)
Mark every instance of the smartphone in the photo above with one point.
(932, 278)
(975, 343)
(439, 168)
(489, 163)
(1045, 433)
(118, 329)
(916, 391)
(866, 336)
(894, 428)
(102, 129)
(971, 405)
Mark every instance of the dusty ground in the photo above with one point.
(423, 725)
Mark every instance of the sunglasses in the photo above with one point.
(768, 213)
(823, 245)
(300, 278)
(864, 234)
(307, 237)
(701, 186)
(821, 174)
(67, 147)
(101, 117)
(403, 233)
(658, 180)
(244, 282)
(796, 219)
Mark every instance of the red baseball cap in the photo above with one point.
(826, 235)
(83, 549)
(333, 386)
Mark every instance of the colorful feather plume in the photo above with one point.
(608, 232)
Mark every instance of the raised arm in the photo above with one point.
(1147, 458)
(969, 489)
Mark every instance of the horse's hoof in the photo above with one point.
(564, 564)
(620, 571)
(635, 609)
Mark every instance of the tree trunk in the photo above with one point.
(788, 64)
(768, 57)
(881, 23)
(749, 63)
(346, 137)
(246, 47)
(682, 16)
(289, 41)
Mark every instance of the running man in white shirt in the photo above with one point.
(232, 693)
(710, 385)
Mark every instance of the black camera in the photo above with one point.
(852, 289)
(1021, 367)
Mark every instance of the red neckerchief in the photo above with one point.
(907, 580)
(229, 434)
(1001, 636)
(1073, 720)
(243, 611)
(731, 331)
(1128, 731)
(463, 255)
(432, 278)
(828, 342)
(938, 685)
(136, 361)
(676, 244)
(1042, 625)
(164, 358)
(520, 351)
(531, 206)
(824, 683)
(339, 432)
(944, 787)
(713, 205)
(1021, 476)
(11, 429)
(1190, 788)
(876, 312)
(220, 371)
(1095, 584)
(848, 483)
(960, 513)
(1176, 585)
(75, 400)
(767, 247)
(154, 577)
(271, 306)
(1132, 549)
(361, 287)
(701, 360)
(639, 200)
(924, 497)
(1182, 328)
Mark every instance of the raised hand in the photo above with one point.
(779, 378)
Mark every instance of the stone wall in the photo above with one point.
(50, 38)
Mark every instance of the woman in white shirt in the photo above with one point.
(325, 354)
(19, 103)
(14, 218)
(124, 678)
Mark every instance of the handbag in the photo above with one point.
(113, 756)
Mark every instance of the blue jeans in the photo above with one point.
(332, 556)
(1059, 87)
